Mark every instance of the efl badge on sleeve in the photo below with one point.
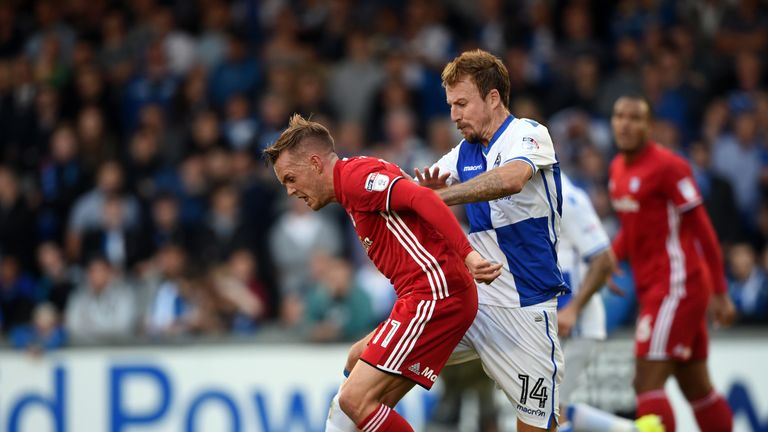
(376, 182)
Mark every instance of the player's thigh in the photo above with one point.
(693, 379)
(520, 350)
(652, 374)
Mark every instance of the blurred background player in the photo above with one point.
(677, 266)
(414, 240)
(585, 256)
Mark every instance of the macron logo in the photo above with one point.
(429, 374)
(472, 168)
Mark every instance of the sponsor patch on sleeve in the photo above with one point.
(687, 189)
(376, 182)
(530, 144)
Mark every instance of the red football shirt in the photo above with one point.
(411, 243)
(650, 195)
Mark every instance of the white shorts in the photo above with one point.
(520, 350)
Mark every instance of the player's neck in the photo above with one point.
(498, 118)
(631, 156)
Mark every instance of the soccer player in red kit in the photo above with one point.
(675, 257)
(415, 241)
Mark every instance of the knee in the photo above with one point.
(352, 402)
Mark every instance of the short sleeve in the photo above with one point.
(679, 186)
(448, 163)
(367, 184)
(581, 225)
(529, 142)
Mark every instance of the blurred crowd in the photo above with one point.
(134, 201)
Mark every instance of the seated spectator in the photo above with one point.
(228, 230)
(170, 309)
(336, 308)
(748, 286)
(240, 128)
(122, 245)
(238, 306)
(44, 334)
(17, 229)
(103, 308)
(88, 209)
(56, 281)
(17, 293)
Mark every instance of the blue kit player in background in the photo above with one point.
(506, 173)
(587, 262)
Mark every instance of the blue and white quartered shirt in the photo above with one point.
(521, 230)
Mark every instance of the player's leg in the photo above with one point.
(361, 398)
(520, 350)
(650, 378)
(710, 409)
(579, 352)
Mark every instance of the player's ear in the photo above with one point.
(493, 97)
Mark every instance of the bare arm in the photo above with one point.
(497, 183)
(600, 268)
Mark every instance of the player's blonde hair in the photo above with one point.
(485, 69)
(300, 132)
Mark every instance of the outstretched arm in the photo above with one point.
(496, 183)
(407, 195)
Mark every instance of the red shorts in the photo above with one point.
(674, 328)
(420, 334)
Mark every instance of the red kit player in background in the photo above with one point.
(675, 257)
(416, 242)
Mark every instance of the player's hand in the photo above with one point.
(481, 269)
(432, 178)
(566, 319)
(611, 282)
(722, 310)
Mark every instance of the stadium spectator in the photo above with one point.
(17, 293)
(57, 278)
(18, 235)
(336, 308)
(103, 308)
(45, 333)
(87, 210)
(749, 284)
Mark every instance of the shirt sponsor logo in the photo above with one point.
(626, 204)
(472, 168)
(376, 182)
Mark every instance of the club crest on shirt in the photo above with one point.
(376, 182)
(634, 184)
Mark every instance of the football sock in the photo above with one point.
(337, 420)
(586, 418)
(656, 402)
(384, 419)
(713, 413)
